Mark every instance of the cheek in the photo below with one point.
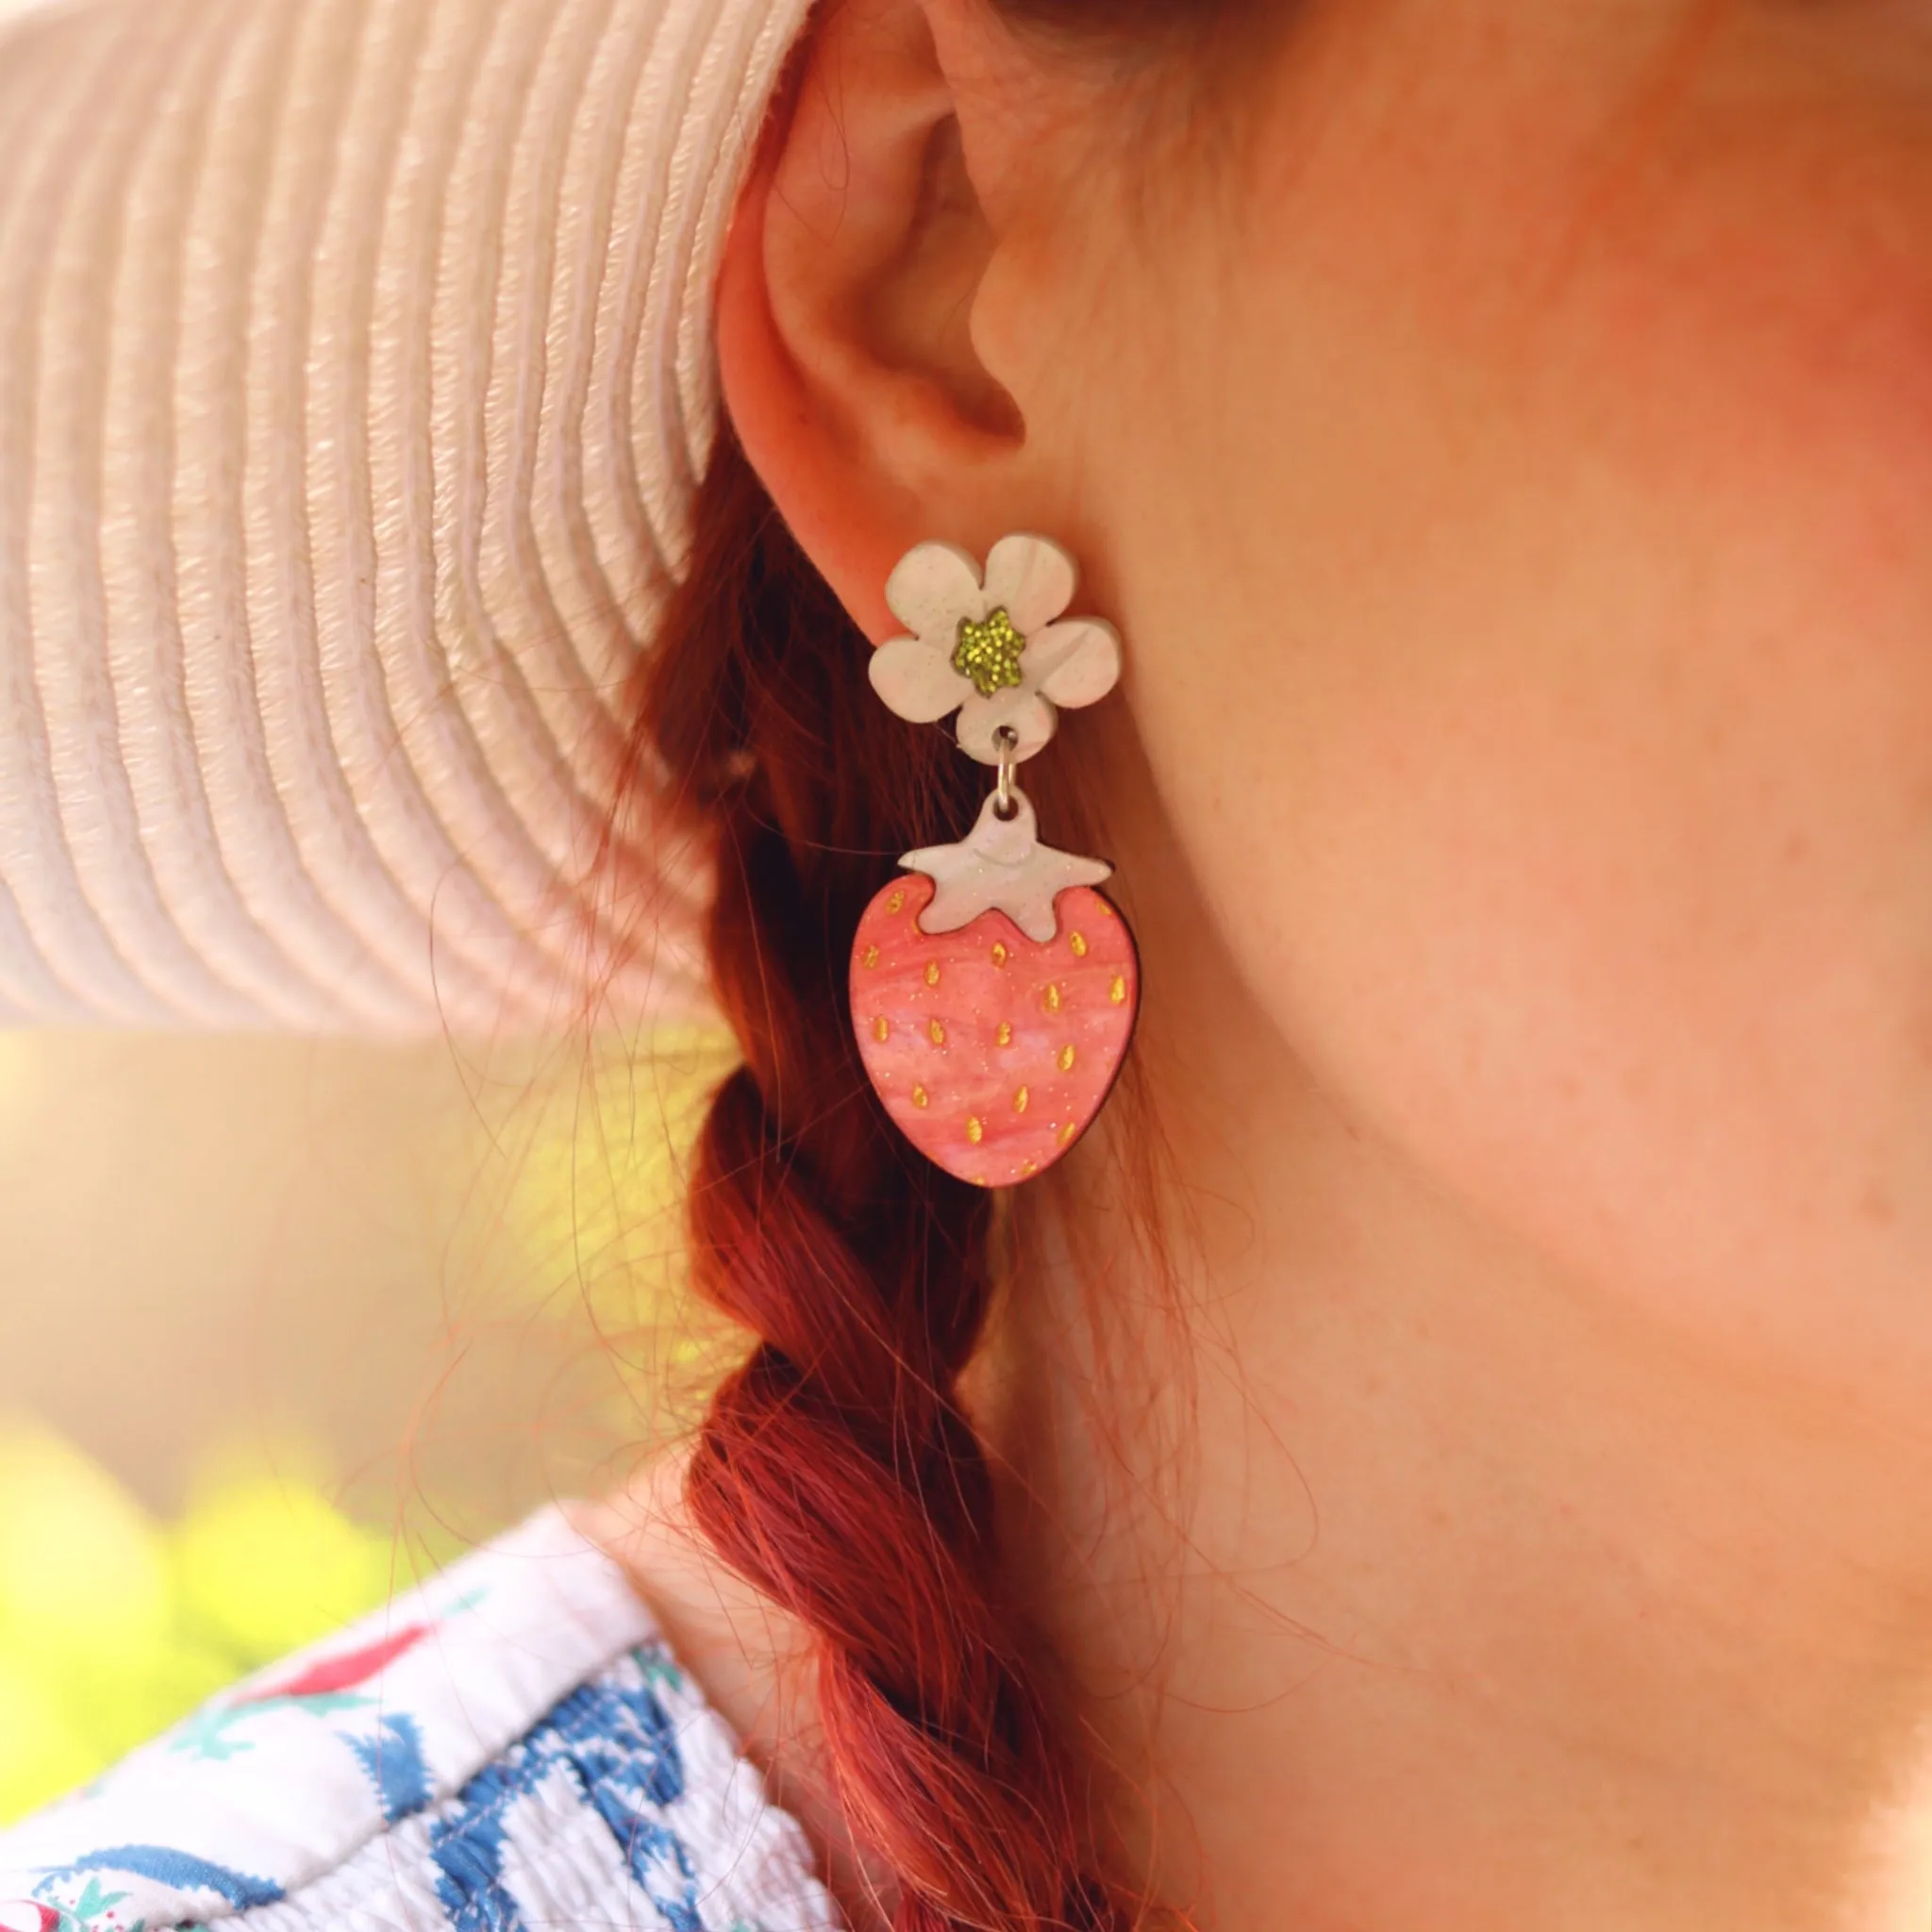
(1548, 707)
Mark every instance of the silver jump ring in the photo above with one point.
(1007, 739)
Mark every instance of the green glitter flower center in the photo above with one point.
(988, 654)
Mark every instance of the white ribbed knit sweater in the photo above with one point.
(355, 368)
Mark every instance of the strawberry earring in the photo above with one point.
(993, 988)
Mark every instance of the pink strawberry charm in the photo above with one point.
(993, 995)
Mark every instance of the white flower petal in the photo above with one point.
(932, 589)
(1076, 663)
(1029, 714)
(1032, 578)
(917, 681)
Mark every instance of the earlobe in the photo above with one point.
(850, 272)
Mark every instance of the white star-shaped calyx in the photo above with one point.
(1000, 866)
(1037, 661)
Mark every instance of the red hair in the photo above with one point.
(837, 1471)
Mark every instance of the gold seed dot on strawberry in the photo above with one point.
(996, 1051)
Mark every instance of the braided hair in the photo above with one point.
(837, 1471)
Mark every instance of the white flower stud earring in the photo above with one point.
(993, 988)
(998, 650)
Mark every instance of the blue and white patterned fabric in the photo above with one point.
(508, 1749)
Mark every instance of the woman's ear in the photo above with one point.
(845, 312)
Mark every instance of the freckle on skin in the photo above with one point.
(1878, 1206)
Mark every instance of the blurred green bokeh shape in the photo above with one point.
(45, 1753)
(113, 1627)
(262, 1565)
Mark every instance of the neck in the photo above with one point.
(1480, 1600)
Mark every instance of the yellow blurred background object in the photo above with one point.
(286, 1324)
(112, 1626)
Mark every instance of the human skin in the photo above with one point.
(1503, 435)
